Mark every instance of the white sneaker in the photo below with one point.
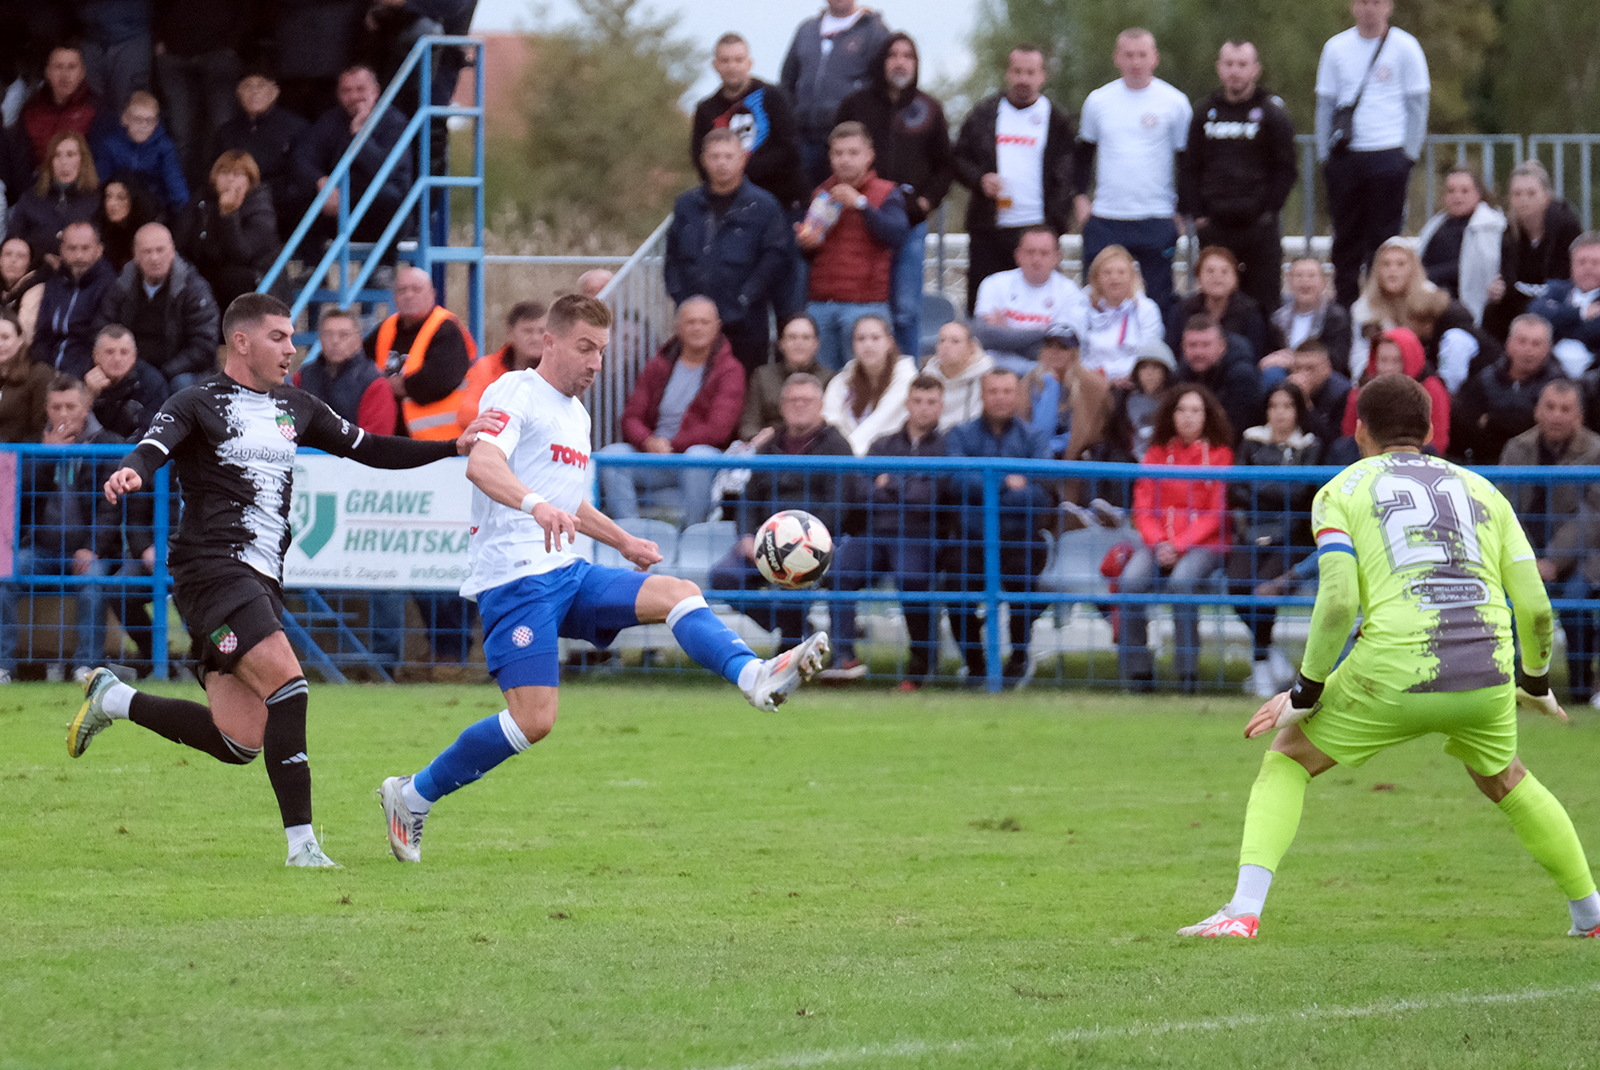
(1222, 924)
(1262, 682)
(776, 677)
(5, 677)
(405, 826)
(1283, 670)
(1594, 699)
(81, 673)
(310, 856)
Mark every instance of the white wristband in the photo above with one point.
(529, 501)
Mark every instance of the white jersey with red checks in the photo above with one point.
(546, 442)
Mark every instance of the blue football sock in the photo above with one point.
(477, 750)
(709, 641)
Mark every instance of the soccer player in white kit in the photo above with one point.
(531, 589)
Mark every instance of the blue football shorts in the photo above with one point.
(522, 619)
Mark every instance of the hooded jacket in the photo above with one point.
(711, 418)
(910, 138)
(1415, 363)
(154, 160)
(817, 81)
(191, 329)
(1241, 161)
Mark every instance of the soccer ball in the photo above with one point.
(793, 549)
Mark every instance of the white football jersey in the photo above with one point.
(546, 442)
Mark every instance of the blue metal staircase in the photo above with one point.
(351, 264)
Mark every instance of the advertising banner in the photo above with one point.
(355, 526)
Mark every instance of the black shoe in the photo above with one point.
(1016, 665)
(1141, 683)
(1189, 685)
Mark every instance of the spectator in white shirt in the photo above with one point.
(960, 363)
(1381, 72)
(1015, 308)
(1130, 134)
(1014, 153)
(1117, 318)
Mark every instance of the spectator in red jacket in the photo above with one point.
(856, 222)
(64, 102)
(686, 400)
(1180, 524)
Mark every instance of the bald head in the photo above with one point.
(590, 283)
(414, 296)
(154, 252)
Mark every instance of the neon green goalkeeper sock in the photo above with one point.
(1544, 828)
(1273, 816)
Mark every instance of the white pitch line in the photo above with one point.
(910, 1049)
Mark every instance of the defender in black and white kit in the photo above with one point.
(233, 437)
(530, 471)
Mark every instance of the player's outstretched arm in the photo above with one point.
(1338, 602)
(1530, 605)
(595, 524)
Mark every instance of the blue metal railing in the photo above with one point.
(1067, 577)
(417, 201)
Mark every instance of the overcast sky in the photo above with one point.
(940, 27)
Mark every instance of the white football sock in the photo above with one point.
(299, 836)
(116, 700)
(747, 675)
(1250, 896)
(413, 798)
(1585, 911)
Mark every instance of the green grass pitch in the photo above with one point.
(673, 880)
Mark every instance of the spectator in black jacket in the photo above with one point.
(67, 191)
(804, 434)
(1217, 294)
(63, 335)
(68, 528)
(1540, 229)
(319, 150)
(1326, 391)
(126, 204)
(1004, 204)
(314, 41)
(1496, 405)
(229, 231)
(763, 117)
(1238, 170)
(126, 392)
(1219, 361)
(163, 300)
(900, 540)
(912, 143)
(731, 241)
(268, 132)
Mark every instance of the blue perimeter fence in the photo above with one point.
(977, 551)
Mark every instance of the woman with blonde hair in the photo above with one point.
(959, 362)
(1118, 317)
(1396, 279)
(867, 399)
(68, 191)
(229, 232)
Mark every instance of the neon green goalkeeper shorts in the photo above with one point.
(1359, 718)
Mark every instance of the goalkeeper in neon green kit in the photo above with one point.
(1432, 552)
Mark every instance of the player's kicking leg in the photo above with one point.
(260, 705)
(1270, 821)
(520, 621)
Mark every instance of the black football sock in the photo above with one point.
(188, 723)
(284, 747)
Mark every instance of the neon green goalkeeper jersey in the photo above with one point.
(1434, 545)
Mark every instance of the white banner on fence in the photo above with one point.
(355, 526)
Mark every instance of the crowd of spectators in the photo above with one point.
(154, 167)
